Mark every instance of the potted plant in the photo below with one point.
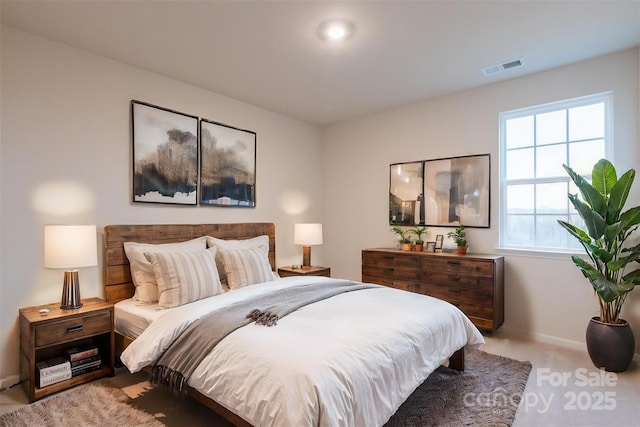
(459, 237)
(610, 341)
(419, 231)
(403, 237)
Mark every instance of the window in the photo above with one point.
(534, 144)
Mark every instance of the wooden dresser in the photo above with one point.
(474, 283)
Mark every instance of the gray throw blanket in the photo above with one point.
(180, 360)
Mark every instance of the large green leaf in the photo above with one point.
(575, 231)
(606, 289)
(630, 218)
(595, 223)
(619, 194)
(611, 233)
(604, 176)
(633, 277)
(589, 193)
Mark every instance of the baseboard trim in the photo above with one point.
(9, 381)
(549, 339)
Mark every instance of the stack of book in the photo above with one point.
(83, 359)
(77, 361)
(53, 371)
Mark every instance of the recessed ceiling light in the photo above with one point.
(336, 30)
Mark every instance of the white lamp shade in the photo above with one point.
(70, 246)
(308, 234)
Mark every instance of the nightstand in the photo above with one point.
(304, 271)
(44, 337)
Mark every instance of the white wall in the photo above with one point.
(546, 297)
(65, 118)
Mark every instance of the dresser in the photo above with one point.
(474, 283)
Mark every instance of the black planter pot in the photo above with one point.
(610, 346)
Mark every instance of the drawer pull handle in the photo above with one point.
(453, 262)
(75, 328)
(454, 278)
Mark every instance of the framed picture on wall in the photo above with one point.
(227, 165)
(456, 191)
(165, 155)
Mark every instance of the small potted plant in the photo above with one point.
(419, 231)
(403, 237)
(459, 237)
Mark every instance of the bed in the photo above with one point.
(347, 360)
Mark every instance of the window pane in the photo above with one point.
(534, 186)
(552, 198)
(519, 132)
(550, 160)
(551, 127)
(519, 230)
(520, 199)
(550, 234)
(520, 163)
(586, 122)
(583, 155)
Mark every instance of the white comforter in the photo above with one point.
(350, 360)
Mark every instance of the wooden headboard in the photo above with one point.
(118, 284)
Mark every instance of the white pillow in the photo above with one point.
(246, 266)
(141, 270)
(255, 242)
(185, 277)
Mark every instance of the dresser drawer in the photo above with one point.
(71, 329)
(458, 265)
(455, 280)
(378, 258)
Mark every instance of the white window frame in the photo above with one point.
(606, 98)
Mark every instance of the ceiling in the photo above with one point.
(267, 53)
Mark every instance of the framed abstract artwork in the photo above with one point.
(442, 192)
(227, 165)
(165, 155)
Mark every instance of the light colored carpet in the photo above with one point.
(97, 404)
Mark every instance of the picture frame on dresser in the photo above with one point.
(431, 247)
(439, 241)
(165, 155)
(227, 166)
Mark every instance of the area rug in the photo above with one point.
(98, 404)
(487, 393)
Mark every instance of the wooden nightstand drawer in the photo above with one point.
(304, 271)
(72, 329)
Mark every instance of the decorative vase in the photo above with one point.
(610, 345)
(405, 246)
(461, 250)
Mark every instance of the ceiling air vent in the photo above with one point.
(493, 69)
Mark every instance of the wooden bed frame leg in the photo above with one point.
(456, 361)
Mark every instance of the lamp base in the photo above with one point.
(306, 256)
(71, 291)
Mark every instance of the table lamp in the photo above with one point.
(70, 247)
(307, 235)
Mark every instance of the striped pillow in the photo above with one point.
(141, 270)
(246, 266)
(185, 277)
(255, 242)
